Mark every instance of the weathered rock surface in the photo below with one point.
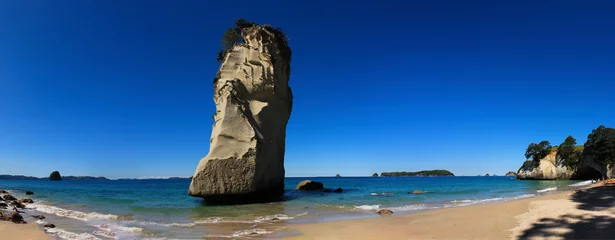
(385, 212)
(510, 174)
(588, 168)
(8, 197)
(55, 175)
(15, 218)
(545, 170)
(309, 185)
(26, 200)
(253, 104)
(3, 205)
(18, 204)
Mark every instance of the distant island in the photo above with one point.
(425, 173)
(21, 177)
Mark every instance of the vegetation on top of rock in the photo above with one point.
(511, 173)
(233, 36)
(538, 151)
(567, 153)
(601, 144)
(426, 173)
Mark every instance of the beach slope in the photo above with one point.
(588, 213)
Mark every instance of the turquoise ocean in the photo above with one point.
(161, 208)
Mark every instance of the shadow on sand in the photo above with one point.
(580, 226)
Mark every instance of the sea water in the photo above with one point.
(161, 208)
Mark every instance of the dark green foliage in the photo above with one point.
(538, 151)
(567, 155)
(242, 23)
(528, 164)
(418, 174)
(601, 144)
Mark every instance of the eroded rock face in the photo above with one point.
(545, 170)
(588, 168)
(253, 104)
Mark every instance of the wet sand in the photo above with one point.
(589, 213)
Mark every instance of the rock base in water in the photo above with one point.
(273, 195)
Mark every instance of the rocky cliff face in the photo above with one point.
(587, 168)
(253, 105)
(547, 169)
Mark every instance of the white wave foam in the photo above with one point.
(250, 232)
(523, 196)
(581, 184)
(411, 207)
(547, 189)
(367, 207)
(382, 194)
(71, 213)
(61, 233)
(183, 225)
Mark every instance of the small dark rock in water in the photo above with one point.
(9, 197)
(49, 225)
(26, 200)
(337, 175)
(275, 219)
(3, 204)
(29, 193)
(385, 212)
(15, 218)
(327, 190)
(38, 216)
(55, 175)
(253, 233)
(18, 204)
(2, 191)
(338, 190)
(310, 185)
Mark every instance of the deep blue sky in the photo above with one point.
(124, 88)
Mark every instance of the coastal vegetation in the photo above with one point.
(425, 173)
(594, 159)
(601, 143)
(538, 151)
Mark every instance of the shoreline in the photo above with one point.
(532, 217)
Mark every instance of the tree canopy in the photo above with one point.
(232, 36)
(567, 154)
(601, 143)
(538, 151)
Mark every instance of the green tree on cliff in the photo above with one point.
(601, 143)
(566, 153)
(538, 151)
(231, 37)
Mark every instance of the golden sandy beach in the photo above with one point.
(30, 231)
(587, 214)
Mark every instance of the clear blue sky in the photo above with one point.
(124, 88)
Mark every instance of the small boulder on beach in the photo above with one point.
(309, 185)
(385, 212)
(18, 204)
(9, 197)
(38, 216)
(3, 192)
(15, 217)
(29, 193)
(49, 225)
(26, 200)
(3, 205)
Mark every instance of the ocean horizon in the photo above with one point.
(161, 208)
